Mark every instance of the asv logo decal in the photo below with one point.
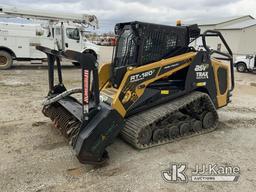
(201, 71)
(141, 76)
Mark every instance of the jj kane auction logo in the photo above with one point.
(177, 172)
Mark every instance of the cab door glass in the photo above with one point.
(57, 34)
(57, 31)
(73, 33)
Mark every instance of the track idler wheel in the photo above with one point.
(209, 120)
(174, 132)
(184, 128)
(145, 135)
(158, 134)
(197, 126)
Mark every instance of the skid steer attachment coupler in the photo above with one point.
(90, 126)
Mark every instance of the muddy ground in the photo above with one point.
(35, 157)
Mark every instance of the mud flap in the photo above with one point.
(97, 135)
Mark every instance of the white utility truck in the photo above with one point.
(59, 31)
(246, 63)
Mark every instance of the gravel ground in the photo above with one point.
(35, 157)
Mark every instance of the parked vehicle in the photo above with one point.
(106, 41)
(61, 32)
(246, 63)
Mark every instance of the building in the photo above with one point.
(239, 32)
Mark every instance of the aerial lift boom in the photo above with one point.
(83, 19)
(52, 18)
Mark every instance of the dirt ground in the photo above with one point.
(35, 157)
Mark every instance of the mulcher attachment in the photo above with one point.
(90, 126)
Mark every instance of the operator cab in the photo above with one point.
(140, 43)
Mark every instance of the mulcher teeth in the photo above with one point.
(63, 121)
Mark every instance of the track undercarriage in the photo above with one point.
(184, 117)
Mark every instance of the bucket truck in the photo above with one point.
(59, 31)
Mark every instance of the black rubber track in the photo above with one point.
(149, 118)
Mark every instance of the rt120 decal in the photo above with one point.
(141, 76)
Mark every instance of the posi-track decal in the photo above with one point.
(171, 66)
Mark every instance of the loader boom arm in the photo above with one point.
(89, 73)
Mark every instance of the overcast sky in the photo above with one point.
(110, 12)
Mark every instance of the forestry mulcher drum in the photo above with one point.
(156, 90)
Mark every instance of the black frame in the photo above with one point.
(88, 65)
(227, 56)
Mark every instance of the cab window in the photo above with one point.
(73, 33)
(57, 31)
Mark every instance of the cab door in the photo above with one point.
(58, 38)
(73, 39)
(251, 62)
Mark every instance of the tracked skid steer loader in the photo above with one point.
(156, 90)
